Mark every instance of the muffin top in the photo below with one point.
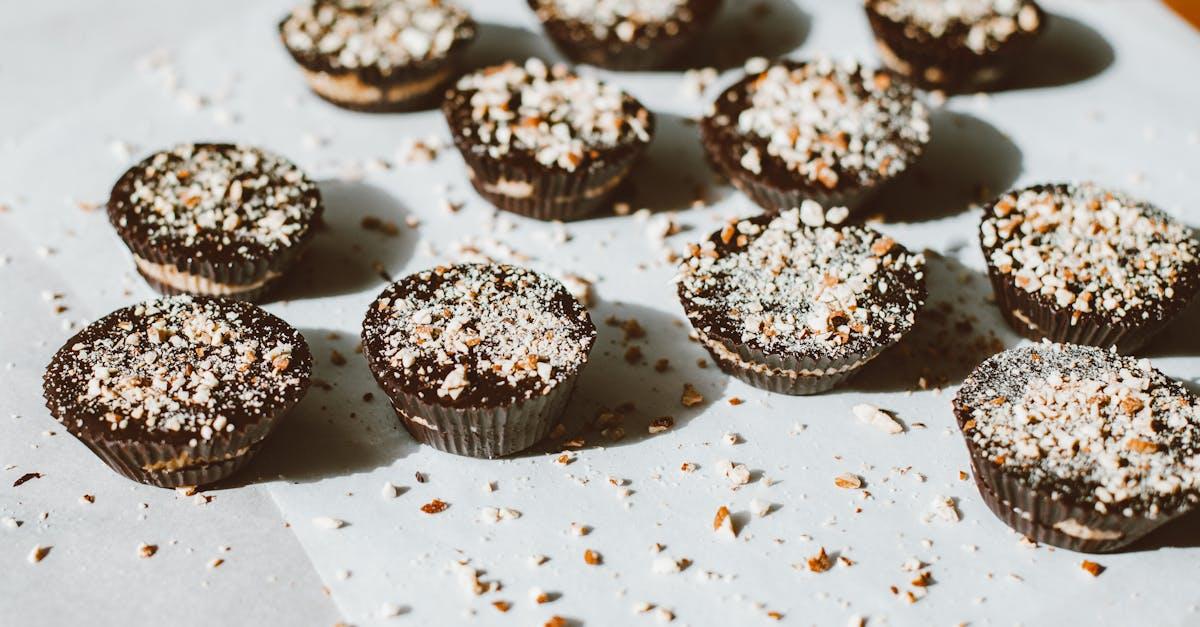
(978, 25)
(1085, 425)
(379, 35)
(474, 335)
(796, 284)
(1090, 250)
(546, 115)
(220, 202)
(820, 124)
(179, 369)
(620, 18)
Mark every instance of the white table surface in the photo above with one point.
(1113, 97)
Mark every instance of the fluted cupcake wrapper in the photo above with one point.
(786, 374)
(262, 273)
(961, 70)
(1035, 319)
(485, 432)
(554, 193)
(173, 465)
(1047, 520)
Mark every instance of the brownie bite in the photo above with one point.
(214, 219)
(178, 391)
(378, 55)
(625, 34)
(477, 359)
(795, 303)
(954, 45)
(544, 142)
(1081, 264)
(1080, 447)
(820, 130)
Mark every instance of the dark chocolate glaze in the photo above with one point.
(725, 143)
(257, 395)
(716, 322)
(213, 253)
(487, 389)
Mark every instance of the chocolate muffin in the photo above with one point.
(814, 130)
(1080, 447)
(178, 391)
(954, 46)
(794, 303)
(214, 219)
(1084, 265)
(544, 142)
(378, 55)
(477, 359)
(625, 34)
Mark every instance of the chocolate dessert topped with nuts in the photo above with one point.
(1078, 263)
(796, 302)
(953, 45)
(1081, 447)
(180, 390)
(384, 55)
(478, 359)
(214, 219)
(544, 142)
(624, 34)
(817, 130)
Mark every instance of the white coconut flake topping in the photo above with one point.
(827, 121)
(1086, 423)
(1087, 249)
(554, 115)
(622, 17)
(380, 34)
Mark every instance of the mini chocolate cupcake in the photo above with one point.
(954, 46)
(794, 303)
(214, 219)
(178, 391)
(477, 359)
(625, 34)
(544, 142)
(378, 55)
(815, 130)
(1084, 265)
(1080, 447)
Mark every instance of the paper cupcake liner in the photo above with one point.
(782, 374)
(774, 199)
(1042, 518)
(208, 462)
(555, 194)
(241, 272)
(962, 70)
(484, 432)
(1036, 319)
